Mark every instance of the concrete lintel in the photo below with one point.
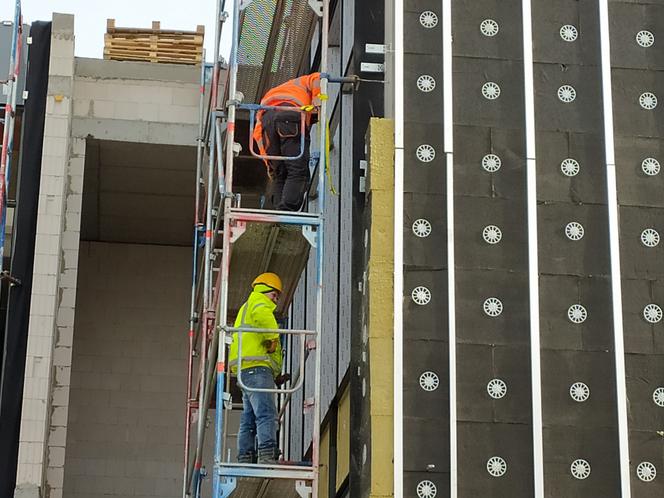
(135, 131)
(129, 70)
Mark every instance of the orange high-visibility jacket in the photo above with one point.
(298, 92)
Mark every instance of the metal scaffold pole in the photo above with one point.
(223, 216)
(193, 315)
(222, 314)
(324, 132)
(9, 121)
(202, 319)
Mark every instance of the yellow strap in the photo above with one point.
(307, 108)
(323, 96)
(327, 158)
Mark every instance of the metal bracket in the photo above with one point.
(311, 235)
(374, 48)
(303, 489)
(308, 405)
(245, 3)
(238, 230)
(227, 485)
(363, 178)
(5, 275)
(316, 6)
(311, 344)
(237, 148)
(372, 67)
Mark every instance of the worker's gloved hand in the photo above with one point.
(281, 379)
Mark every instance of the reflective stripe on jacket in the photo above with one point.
(299, 92)
(257, 312)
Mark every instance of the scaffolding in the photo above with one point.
(226, 232)
(8, 126)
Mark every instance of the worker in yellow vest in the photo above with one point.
(261, 365)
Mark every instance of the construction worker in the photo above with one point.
(261, 365)
(279, 133)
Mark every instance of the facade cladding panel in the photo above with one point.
(425, 347)
(572, 188)
(636, 70)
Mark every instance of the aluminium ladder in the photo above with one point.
(209, 333)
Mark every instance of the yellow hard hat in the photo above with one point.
(269, 279)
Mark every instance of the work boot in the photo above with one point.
(247, 458)
(268, 456)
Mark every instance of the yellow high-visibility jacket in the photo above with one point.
(257, 312)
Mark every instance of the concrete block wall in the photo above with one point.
(136, 101)
(126, 427)
(41, 447)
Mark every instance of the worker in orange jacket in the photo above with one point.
(278, 133)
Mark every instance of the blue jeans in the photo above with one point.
(259, 413)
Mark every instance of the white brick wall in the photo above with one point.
(136, 100)
(125, 431)
(67, 265)
(44, 364)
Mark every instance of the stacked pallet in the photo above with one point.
(153, 45)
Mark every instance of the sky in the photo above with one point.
(90, 18)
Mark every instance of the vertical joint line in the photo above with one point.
(533, 260)
(448, 144)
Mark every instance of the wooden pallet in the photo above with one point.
(153, 45)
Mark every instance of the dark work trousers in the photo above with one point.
(290, 179)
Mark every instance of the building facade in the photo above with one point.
(492, 302)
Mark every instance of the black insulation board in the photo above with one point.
(471, 108)
(589, 185)
(635, 188)
(640, 336)
(565, 444)
(480, 441)
(476, 366)
(557, 294)
(466, 20)
(561, 369)
(476, 327)
(627, 19)
(475, 142)
(548, 18)
(630, 119)
(644, 376)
